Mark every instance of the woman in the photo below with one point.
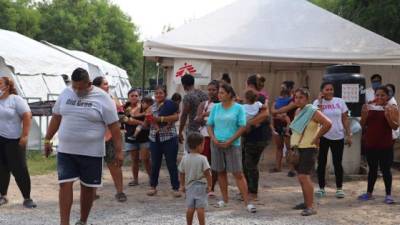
(15, 122)
(339, 134)
(280, 125)
(308, 127)
(226, 124)
(378, 119)
(115, 171)
(163, 140)
(137, 146)
(203, 112)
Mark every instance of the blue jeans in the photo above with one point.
(170, 150)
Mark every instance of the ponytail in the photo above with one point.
(10, 84)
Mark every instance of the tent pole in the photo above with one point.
(144, 74)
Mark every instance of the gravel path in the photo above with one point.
(277, 195)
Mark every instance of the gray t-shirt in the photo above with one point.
(84, 121)
(11, 110)
(193, 99)
(193, 166)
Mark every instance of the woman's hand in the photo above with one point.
(315, 142)
(23, 141)
(364, 111)
(348, 140)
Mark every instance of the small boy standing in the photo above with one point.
(195, 178)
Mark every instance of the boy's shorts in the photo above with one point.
(196, 196)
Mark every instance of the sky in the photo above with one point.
(152, 15)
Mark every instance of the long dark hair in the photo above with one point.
(229, 89)
(98, 81)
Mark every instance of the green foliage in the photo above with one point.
(379, 16)
(95, 26)
(19, 16)
(40, 165)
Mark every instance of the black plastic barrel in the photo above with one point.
(349, 85)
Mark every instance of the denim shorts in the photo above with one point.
(136, 146)
(87, 169)
(196, 195)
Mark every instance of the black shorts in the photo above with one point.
(308, 158)
(87, 169)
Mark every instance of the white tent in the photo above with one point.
(117, 77)
(279, 39)
(275, 30)
(36, 70)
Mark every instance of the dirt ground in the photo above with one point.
(278, 193)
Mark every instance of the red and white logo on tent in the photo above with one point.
(185, 69)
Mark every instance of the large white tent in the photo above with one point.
(36, 70)
(293, 39)
(117, 77)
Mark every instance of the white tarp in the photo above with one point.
(200, 69)
(275, 30)
(116, 76)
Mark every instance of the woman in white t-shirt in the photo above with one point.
(15, 122)
(339, 134)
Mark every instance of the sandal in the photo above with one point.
(152, 192)
(291, 174)
(176, 194)
(320, 193)
(251, 208)
(80, 222)
(121, 197)
(300, 206)
(211, 194)
(220, 204)
(3, 200)
(133, 183)
(339, 193)
(389, 200)
(365, 197)
(308, 212)
(29, 204)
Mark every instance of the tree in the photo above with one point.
(379, 16)
(19, 16)
(94, 26)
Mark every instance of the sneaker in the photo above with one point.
(3, 200)
(365, 197)
(320, 193)
(28, 203)
(339, 193)
(308, 212)
(291, 174)
(220, 204)
(121, 197)
(389, 200)
(300, 206)
(251, 208)
(176, 194)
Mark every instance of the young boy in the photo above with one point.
(195, 178)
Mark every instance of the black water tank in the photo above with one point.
(349, 84)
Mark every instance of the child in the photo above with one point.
(251, 105)
(140, 112)
(195, 178)
(177, 98)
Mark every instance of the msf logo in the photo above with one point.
(185, 69)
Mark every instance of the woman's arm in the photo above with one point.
(168, 119)
(392, 116)
(325, 123)
(284, 109)
(26, 126)
(346, 125)
(364, 115)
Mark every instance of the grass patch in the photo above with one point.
(38, 164)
